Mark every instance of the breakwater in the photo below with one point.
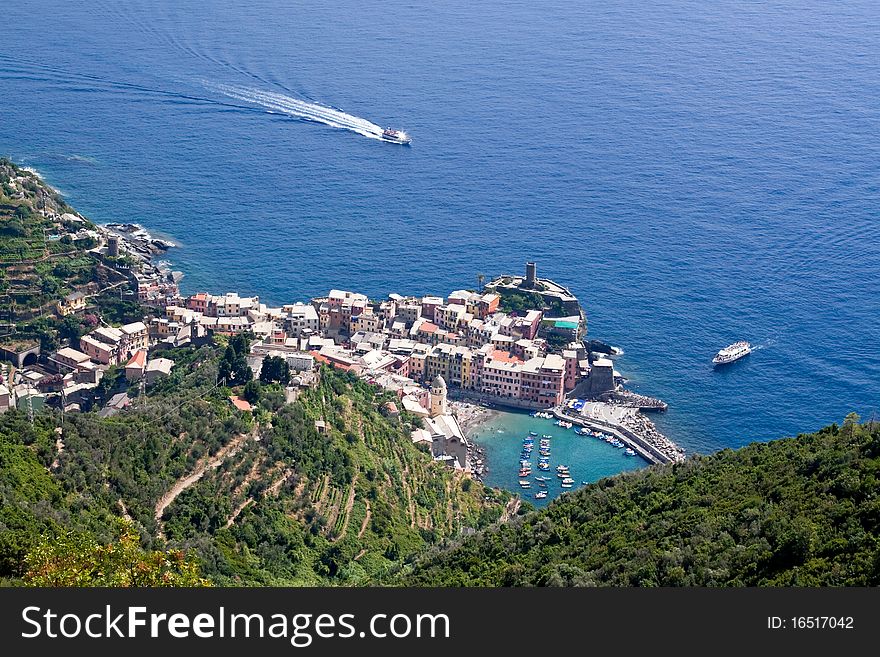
(653, 447)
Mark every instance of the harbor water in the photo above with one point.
(588, 458)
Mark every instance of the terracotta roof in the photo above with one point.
(239, 403)
(138, 360)
(505, 357)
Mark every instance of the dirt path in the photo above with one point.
(241, 507)
(59, 450)
(271, 491)
(124, 509)
(511, 509)
(349, 503)
(449, 496)
(278, 483)
(410, 505)
(201, 468)
(366, 520)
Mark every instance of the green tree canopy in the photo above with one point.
(77, 559)
(275, 370)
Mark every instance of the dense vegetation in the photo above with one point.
(77, 559)
(519, 301)
(44, 256)
(280, 500)
(801, 511)
(40, 256)
(318, 487)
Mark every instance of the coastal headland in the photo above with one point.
(518, 342)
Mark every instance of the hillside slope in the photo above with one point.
(801, 511)
(258, 498)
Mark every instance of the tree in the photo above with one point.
(275, 370)
(233, 367)
(70, 329)
(850, 422)
(77, 559)
(252, 391)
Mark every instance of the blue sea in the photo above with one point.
(697, 172)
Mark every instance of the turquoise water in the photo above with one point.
(696, 172)
(588, 458)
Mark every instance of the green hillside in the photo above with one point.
(277, 502)
(43, 246)
(801, 511)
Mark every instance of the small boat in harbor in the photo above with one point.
(630, 451)
(540, 495)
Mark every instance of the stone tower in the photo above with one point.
(531, 275)
(438, 397)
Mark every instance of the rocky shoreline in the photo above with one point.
(470, 416)
(141, 244)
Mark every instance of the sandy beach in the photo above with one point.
(470, 416)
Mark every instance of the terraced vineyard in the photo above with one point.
(40, 259)
(294, 505)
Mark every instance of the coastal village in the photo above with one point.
(516, 343)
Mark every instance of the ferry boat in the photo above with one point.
(395, 136)
(732, 353)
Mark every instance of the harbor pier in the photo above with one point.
(638, 444)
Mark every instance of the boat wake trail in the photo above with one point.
(276, 102)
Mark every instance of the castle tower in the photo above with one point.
(531, 274)
(438, 397)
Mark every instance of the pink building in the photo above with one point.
(198, 302)
(98, 351)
